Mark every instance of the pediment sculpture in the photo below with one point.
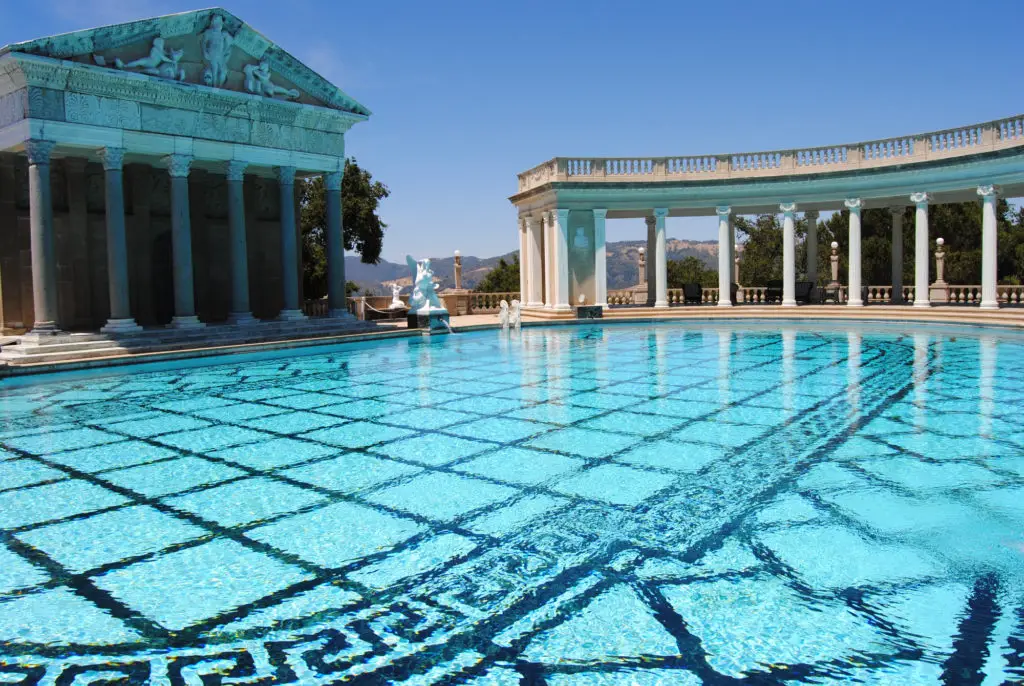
(258, 82)
(160, 62)
(216, 44)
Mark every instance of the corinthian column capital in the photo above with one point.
(113, 158)
(988, 192)
(332, 181)
(38, 151)
(920, 199)
(236, 170)
(178, 165)
(286, 176)
(853, 204)
(788, 207)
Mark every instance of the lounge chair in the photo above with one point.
(804, 289)
(693, 293)
(773, 292)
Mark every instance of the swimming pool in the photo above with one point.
(619, 504)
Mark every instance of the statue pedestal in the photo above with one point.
(435, 321)
(456, 300)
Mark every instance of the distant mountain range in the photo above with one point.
(622, 262)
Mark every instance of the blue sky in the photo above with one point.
(467, 94)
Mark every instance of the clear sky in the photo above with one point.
(466, 94)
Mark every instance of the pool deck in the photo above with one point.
(67, 360)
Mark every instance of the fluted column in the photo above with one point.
(649, 275)
(724, 255)
(534, 246)
(120, 320)
(44, 252)
(524, 259)
(178, 168)
(240, 312)
(788, 254)
(291, 310)
(561, 230)
(921, 256)
(600, 259)
(989, 247)
(896, 213)
(812, 247)
(660, 259)
(337, 301)
(854, 297)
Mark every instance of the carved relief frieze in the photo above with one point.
(92, 109)
(46, 103)
(13, 107)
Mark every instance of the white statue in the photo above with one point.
(396, 302)
(216, 46)
(257, 80)
(515, 315)
(580, 240)
(503, 315)
(424, 298)
(159, 62)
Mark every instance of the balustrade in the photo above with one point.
(1010, 295)
(891, 149)
(482, 303)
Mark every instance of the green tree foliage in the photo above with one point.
(364, 231)
(690, 269)
(959, 224)
(504, 278)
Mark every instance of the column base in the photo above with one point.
(535, 304)
(44, 330)
(855, 303)
(724, 303)
(789, 303)
(989, 305)
(127, 325)
(242, 319)
(291, 316)
(187, 322)
(562, 307)
(661, 304)
(603, 306)
(339, 314)
(922, 303)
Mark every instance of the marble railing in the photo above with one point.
(922, 147)
(482, 303)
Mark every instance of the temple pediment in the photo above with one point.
(210, 48)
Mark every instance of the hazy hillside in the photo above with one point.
(622, 265)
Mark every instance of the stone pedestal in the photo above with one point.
(456, 300)
(435, 321)
(589, 312)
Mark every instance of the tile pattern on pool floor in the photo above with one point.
(648, 505)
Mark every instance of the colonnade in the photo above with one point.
(545, 249)
(179, 166)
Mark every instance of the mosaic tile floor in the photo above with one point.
(582, 505)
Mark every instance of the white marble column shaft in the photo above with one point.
(550, 270)
(989, 247)
(535, 247)
(921, 256)
(561, 230)
(178, 167)
(337, 301)
(724, 213)
(853, 287)
(291, 310)
(897, 254)
(660, 258)
(524, 262)
(600, 259)
(788, 254)
(120, 320)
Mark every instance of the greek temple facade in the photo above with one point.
(563, 206)
(148, 177)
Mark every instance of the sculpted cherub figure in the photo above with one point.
(159, 62)
(257, 80)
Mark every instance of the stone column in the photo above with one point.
(121, 320)
(560, 221)
(534, 246)
(44, 253)
(240, 312)
(788, 254)
(989, 238)
(550, 271)
(524, 257)
(812, 247)
(897, 254)
(178, 167)
(724, 255)
(921, 257)
(600, 259)
(733, 256)
(649, 275)
(337, 301)
(660, 259)
(854, 298)
(292, 310)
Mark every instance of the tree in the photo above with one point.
(364, 231)
(504, 278)
(690, 269)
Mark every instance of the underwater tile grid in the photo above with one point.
(624, 504)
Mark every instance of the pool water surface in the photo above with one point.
(658, 504)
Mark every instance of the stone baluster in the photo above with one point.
(240, 313)
(896, 212)
(921, 289)
(178, 167)
(724, 213)
(600, 259)
(660, 258)
(337, 300)
(989, 247)
(788, 254)
(44, 252)
(120, 320)
(854, 298)
(291, 311)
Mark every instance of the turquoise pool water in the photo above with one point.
(665, 504)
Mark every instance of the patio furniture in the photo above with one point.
(372, 314)
(803, 292)
(692, 293)
(773, 292)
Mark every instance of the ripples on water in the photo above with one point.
(583, 505)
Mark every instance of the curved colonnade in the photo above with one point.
(564, 204)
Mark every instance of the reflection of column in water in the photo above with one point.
(661, 357)
(921, 341)
(986, 382)
(854, 350)
(724, 358)
(788, 369)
